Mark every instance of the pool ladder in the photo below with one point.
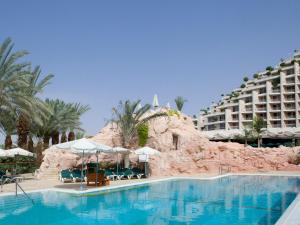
(24, 192)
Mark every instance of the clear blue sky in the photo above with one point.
(103, 51)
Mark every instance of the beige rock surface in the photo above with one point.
(194, 154)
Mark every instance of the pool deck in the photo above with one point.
(291, 216)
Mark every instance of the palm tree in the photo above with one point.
(128, 116)
(38, 107)
(180, 102)
(13, 80)
(247, 134)
(77, 111)
(62, 117)
(258, 127)
(8, 126)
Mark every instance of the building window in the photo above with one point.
(235, 109)
(262, 91)
(290, 71)
(248, 99)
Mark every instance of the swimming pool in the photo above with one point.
(228, 200)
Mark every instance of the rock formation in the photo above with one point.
(184, 150)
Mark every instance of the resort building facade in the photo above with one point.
(273, 94)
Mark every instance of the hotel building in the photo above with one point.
(273, 94)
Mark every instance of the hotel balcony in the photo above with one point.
(275, 124)
(248, 109)
(275, 99)
(261, 109)
(290, 124)
(215, 127)
(262, 99)
(289, 89)
(290, 80)
(289, 107)
(247, 118)
(289, 98)
(275, 109)
(289, 115)
(275, 116)
(275, 90)
(262, 91)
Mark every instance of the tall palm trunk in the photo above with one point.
(46, 139)
(63, 137)
(39, 152)
(30, 144)
(8, 142)
(23, 130)
(258, 142)
(55, 137)
(71, 136)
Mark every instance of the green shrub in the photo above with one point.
(173, 112)
(243, 86)
(143, 130)
(234, 95)
(24, 164)
(255, 76)
(246, 79)
(269, 68)
(276, 82)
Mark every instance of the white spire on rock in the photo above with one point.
(155, 103)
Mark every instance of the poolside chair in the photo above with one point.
(128, 173)
(101, 180)
(119, 174)
(110, 174)
(137, 173)
(66, 176)
(4, 178)
(76, 174)
(2, 174)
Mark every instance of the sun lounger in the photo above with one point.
(66, 176)
(128, 173)
(4, 178)
(137, 173)
(119, 174)
(76, 175)
(110, 175)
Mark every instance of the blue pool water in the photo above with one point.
(229, 200)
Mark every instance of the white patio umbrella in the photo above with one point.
(81, 146)
(3, 153)
(18, 151)
(100, 148)
(118, 150)
(146, 151)
(84, 146)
